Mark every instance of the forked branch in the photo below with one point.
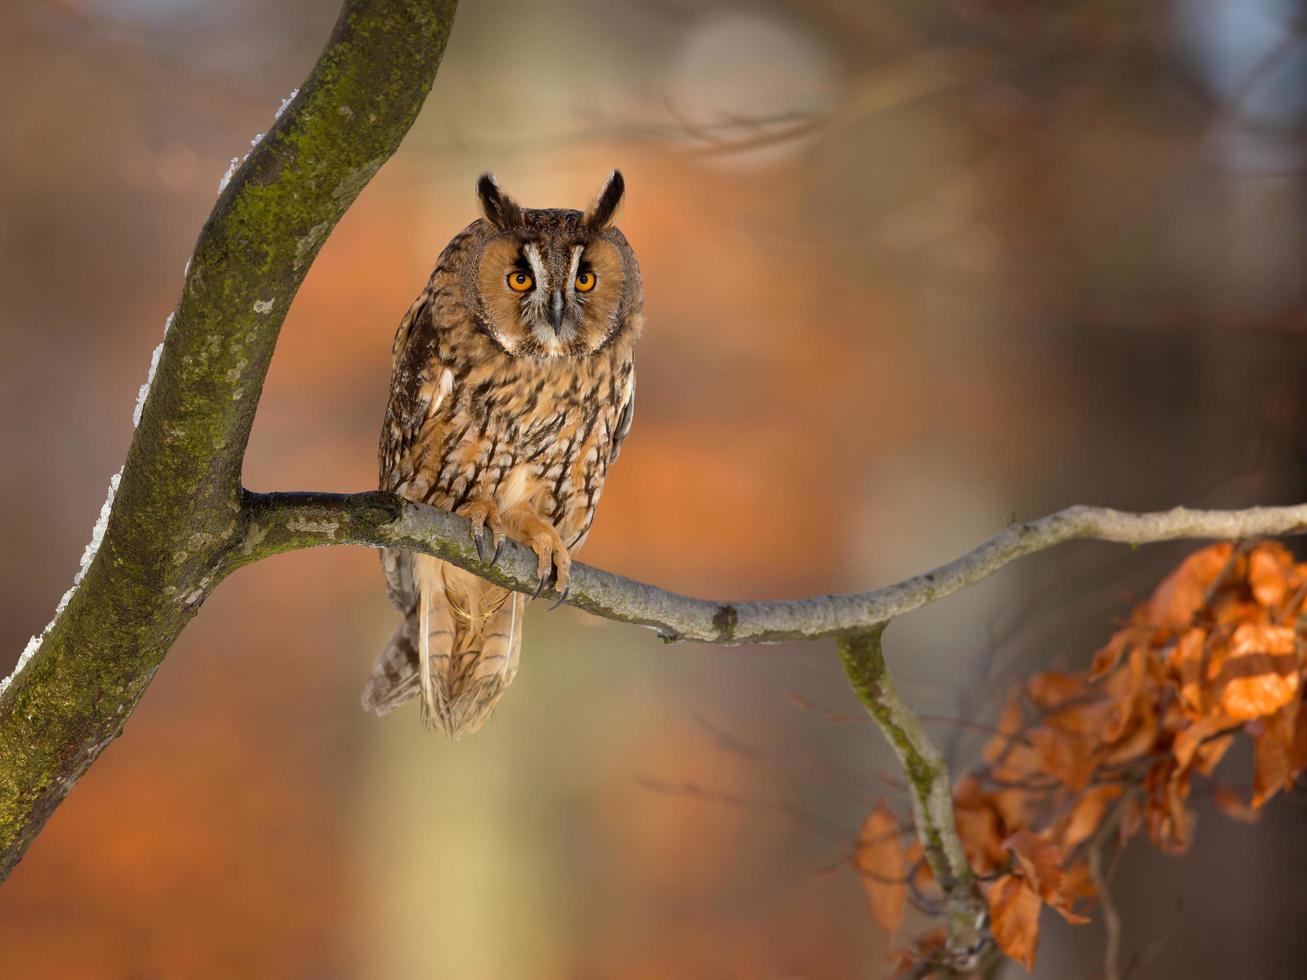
(289, 521)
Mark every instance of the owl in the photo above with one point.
(512, 389)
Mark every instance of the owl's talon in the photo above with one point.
(483, 516)
(499, 546)
(553, 562)
(546, 568)
(567, 590)
(544, 584)
(562, 574)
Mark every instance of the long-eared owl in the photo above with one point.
(512, 388)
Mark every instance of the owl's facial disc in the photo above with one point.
(551, 287)
(551, 310)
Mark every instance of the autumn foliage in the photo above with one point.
(1082, 762)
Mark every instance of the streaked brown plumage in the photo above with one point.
(512, 388)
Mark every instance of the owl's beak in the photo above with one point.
(556, 311)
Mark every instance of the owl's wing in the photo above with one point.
(397, 567)
(405, 411)
(419, 383)
(625, 417)
(394, 677)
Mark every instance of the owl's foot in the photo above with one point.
(484, 516)
(553, 562)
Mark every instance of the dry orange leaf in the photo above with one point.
(1170, 824)
(1268, 569)
(1190, 740)
(1232, 805)
(1259, 673)
(1230, 608)
(1270, 768)
(1017, 764)
(1067, 758)
(1132, 692)
(883, 867)
(1077, 884)
(1186, 665)
(1012, 805)
(979, 827)
(1042, 863)
(1092, 718)
(1273, 755)
(1014, 918)
(1210, 753)
(1040, 860)
(1181, 593)
(1087, 814)
(1138, 740)
(1298, 745)
(1053, 687)
(1110, 655)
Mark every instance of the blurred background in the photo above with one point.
(910, 270)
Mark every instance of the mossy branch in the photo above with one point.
(930, 790)
(179, 505)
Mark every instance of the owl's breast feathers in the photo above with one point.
(467, 420)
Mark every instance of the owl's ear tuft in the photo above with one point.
(606, 204)
(499, 209)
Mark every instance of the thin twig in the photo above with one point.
(705, 794)
(1111, 917)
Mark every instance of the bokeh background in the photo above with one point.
(910, 270)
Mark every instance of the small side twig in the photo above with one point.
(930, 790)
(1111, 917)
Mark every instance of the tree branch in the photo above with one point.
(178, 505)
(281, 522)
(930, 790)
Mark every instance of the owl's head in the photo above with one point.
(549, 282)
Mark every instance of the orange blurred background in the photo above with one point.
(907, 274)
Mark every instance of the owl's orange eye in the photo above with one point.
(586, 282)
(520, 282)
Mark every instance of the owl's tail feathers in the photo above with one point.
(461, 664)
(467, 686)
(495, 666)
